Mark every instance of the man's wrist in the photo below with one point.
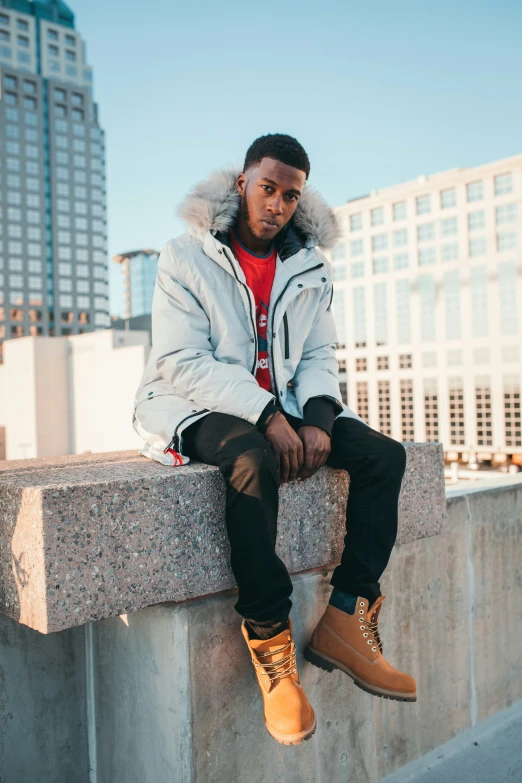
(266, 415)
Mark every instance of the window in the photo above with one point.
(13, 181)
(62, 173)
(402, 295)
(383, 396)
(16, 281)
(11, 131)
(12, 148)
(380, 304)
(61, 142)
(359, 316)
(456, 411)
(400, 211)
(80, 177)
(507, 291)
(11, 114)
(479, 301)
(77, 99)
(30, 103)
(13, 197)
(401, 261)
(356, 247)
(339, 273)
(448, 198)
(22, 25)
(383, 363)
(22, 41)
(483, 411)
(4, 19)
(363, 407)
(52, 50)
(380, 265)
(423, 205)
(77, 114)
(31, 119)
(64, 253)
(15, 264)
(476, 221)
(407, 422)
(11, 99)
(31, 151)
(507, 240)
(427, 299)
(477, 246)
(79, 145)
(52, 35)
(338, 253)
(65, 300)
(379, 242)
(81, 208)
(29, 87)
(79, 161)
(30, 134)
(33, 201)
(70, 55)
(81, 224)
(449, 252)
(426, 232)
(512, 420)
(452, 304)
(64, 237)
(400, 237)
(503, 184)
(59, 110)
(82, 270)
(337, 307)
(70, 40)
(64, 284)
(431, 409)
(361, 364)
(81, 239)
(427, 255)
(377, 216)
(4, 36)
(405, 361)
(475, 191)
(356, 222)
(78, 130)
(54, 66)
(23, 57)
(357, 269)
(62, 189)
(61, 126)
(34, 266)
(454, 357)
(507, 213)
(449, 227)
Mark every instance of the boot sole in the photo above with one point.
(293, 739)
(322, 661)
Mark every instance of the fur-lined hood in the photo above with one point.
(213, 206)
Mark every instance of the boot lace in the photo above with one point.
(274, 670)
(373, 627)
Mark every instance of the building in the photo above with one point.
(427, 301)
(139, 269)
(70, 395)
(53, 253)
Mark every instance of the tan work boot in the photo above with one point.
(289, 717)
(351, 642)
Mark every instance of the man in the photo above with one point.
(243, 375)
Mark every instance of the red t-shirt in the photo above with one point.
(259, 272)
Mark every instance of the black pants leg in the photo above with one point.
(247, 462)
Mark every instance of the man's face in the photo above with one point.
(270, 193)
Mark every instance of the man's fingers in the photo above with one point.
(284, 467)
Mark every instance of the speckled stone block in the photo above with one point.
(94, 536)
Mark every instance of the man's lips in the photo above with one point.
(270, 223)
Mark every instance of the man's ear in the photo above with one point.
(240, 184)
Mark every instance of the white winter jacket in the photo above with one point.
(204, 341)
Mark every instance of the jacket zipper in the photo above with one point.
(175, 439)
(252, 318)
(312, 268)
(287, 338)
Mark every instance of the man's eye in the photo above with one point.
(266, 187)
(291, 197)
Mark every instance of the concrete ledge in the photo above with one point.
(90, 537)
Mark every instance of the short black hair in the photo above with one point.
(278, 146)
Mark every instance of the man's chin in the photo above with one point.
(265, 232)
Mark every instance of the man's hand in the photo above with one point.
(287, 446)
(316, 445)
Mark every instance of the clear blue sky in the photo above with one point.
(377, 92)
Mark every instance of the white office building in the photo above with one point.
(427, 300)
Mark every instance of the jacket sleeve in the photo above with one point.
(317, 373)
(184, 353)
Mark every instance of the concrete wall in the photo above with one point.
(171, 694)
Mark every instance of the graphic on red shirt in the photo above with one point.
(259, 274)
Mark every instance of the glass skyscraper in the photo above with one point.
(53, 229)
(139, 269)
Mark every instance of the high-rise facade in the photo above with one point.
(139, 269)
(53, 229)
(427, 301)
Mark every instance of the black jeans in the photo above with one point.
(248, 464)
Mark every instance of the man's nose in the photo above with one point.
(275, 205)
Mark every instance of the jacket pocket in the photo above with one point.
(287, 336)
